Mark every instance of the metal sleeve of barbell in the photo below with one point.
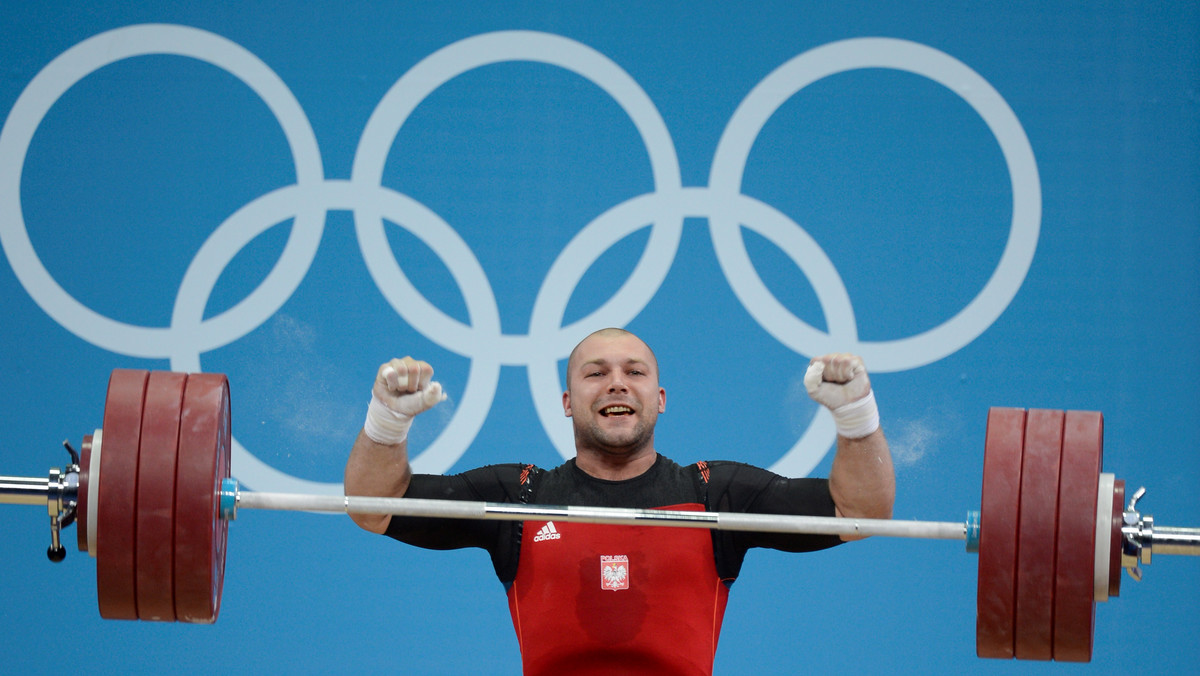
(19, 490)
(1170, 540)
(455, 509)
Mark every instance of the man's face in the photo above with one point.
(613, 397)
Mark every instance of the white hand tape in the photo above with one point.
(385, 426)
(858, 418)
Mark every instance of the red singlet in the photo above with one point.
(637, 600)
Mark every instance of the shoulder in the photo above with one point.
(737, 486)
(503, 473)
(490, 483)
(728, 471)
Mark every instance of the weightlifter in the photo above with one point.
(596, 599)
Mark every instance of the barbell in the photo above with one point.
(152, 497)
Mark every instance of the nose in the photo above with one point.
(616, 382)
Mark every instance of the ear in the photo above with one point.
(662, 400)
(567, 404)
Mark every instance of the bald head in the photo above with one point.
(607, 334)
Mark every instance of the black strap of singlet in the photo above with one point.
(701, 479)
(722, 543)
(506, 568)
(528, 483)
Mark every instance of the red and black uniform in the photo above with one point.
(598, 599)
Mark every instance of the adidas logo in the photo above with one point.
(547, 532)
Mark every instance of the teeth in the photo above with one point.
(616, 410)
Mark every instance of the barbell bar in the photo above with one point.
(233, 498)
(152, 497)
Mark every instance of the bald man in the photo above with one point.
(591, 599)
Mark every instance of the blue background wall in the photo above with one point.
(994, 206)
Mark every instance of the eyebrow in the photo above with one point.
(600, 361)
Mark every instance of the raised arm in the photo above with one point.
(378, 464)
(862, 481)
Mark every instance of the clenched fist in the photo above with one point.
(403, 388)
(840, 383)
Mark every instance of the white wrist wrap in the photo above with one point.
(385, 426)
(858, 418)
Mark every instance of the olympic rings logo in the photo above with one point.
(482, 341)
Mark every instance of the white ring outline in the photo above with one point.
(63, 73)
(543, 340)
(733, 152)
(274, 207)
(426, 77)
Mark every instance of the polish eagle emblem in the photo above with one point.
(614, 572)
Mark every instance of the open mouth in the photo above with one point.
(615, 410)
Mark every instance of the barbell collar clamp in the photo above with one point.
(58, 492)
(973, 531)
(1142, 538)
(229, 498)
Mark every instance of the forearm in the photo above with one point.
(862, 480)
(377, 470)
(378, 464)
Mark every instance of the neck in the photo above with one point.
(615, 466)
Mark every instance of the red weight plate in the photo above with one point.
(116, 506)
(200, 533)
(1075, 566)
(998, 521)
(156, 496)
(81, 494)
(1118, 539)
(1034, 617)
